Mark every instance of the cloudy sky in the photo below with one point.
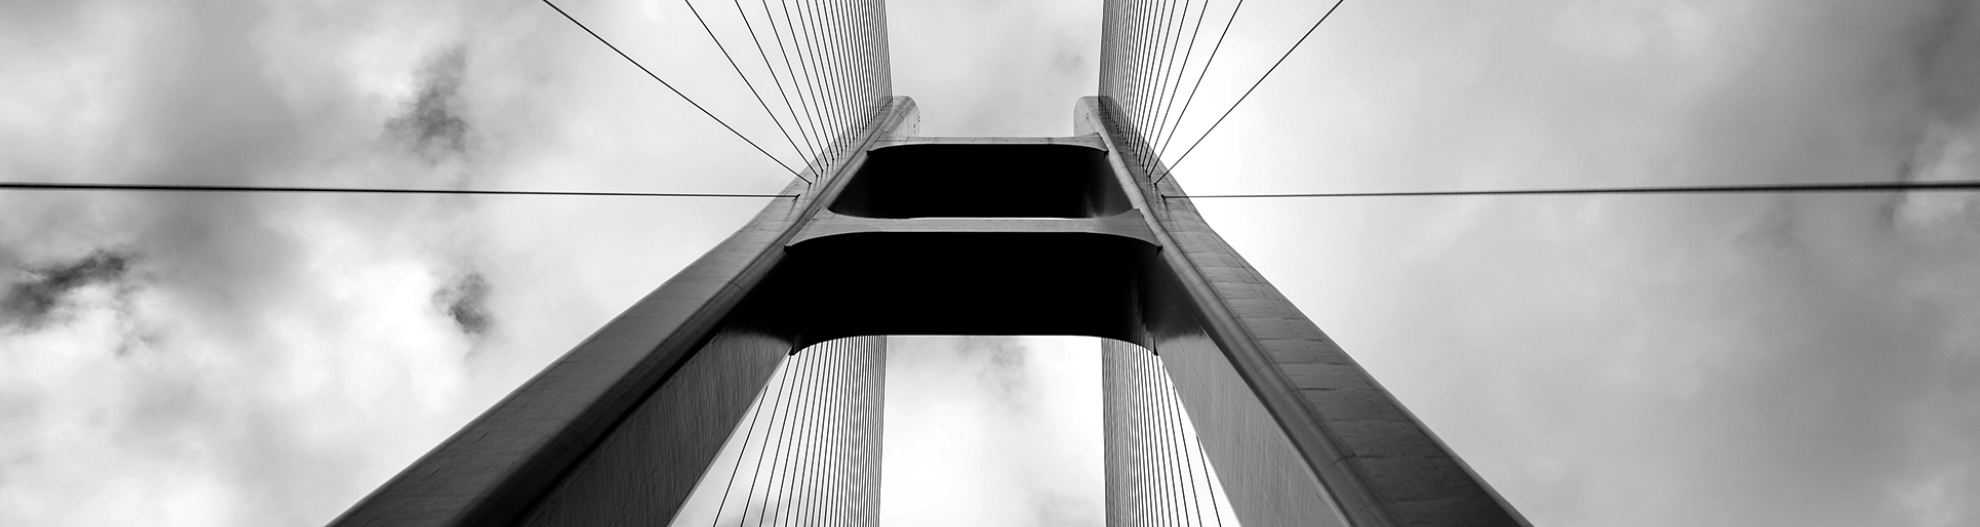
(1697, 360)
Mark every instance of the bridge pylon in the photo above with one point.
(982, 236)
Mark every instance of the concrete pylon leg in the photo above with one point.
(921, 235)
(618, 430)
(1299, 433)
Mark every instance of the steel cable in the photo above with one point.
(790, 109)
(670, 87)
(745, 78)
(1254, 87)
(763, 399)
(1198, 86)
(808, 86)
(1169, 102)
(1182, 445)
(797, 86)
(1172, 40)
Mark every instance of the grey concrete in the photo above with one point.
(1267, 480)
(499, 469)
(1241, 353)
(647, 464)
(907, 235)
(1149, 474)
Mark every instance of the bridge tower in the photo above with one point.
(979, 236)
(890, 233)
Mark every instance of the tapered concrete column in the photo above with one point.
(618, 430)
(1300, 434)
(917, 235)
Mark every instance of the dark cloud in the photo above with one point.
(465, 300)
(32, 301)
(293, 373)
(287, 353)
(432, 124)
(1946, 132)
(1949, 58)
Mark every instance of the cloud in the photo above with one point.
(465, 299)
(1703, 360)
(1027, 64)
(1709, 360)
(30, 302)
(224, 359)
(992, 431)
(432, 123)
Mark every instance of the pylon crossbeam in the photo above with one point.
(912, 235)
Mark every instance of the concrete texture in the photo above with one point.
(500, 468)
(1252, 369)
(991, 236)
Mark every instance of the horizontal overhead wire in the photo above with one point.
(1892, 186)
(129, 187)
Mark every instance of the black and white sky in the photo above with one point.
(193, 359)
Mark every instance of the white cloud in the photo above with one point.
(1698, 360)
(268, 359)
(993, 431)
(1704, 360)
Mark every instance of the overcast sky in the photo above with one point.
(1698, 360)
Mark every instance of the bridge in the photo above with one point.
(901, 235)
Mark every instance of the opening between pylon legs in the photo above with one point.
(808, 450)
(983, 178)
